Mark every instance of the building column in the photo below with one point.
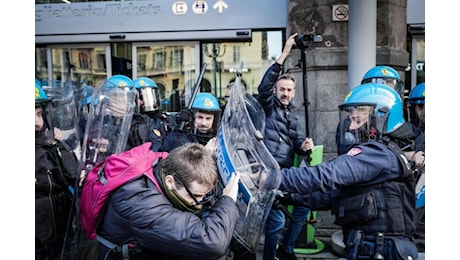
(362, 27)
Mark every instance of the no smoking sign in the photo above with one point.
(340, 13)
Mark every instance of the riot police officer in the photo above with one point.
(55, 172)
(385, 75)
(201, 123)
(370, 189)
(149, 103)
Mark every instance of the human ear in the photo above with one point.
(170, 182)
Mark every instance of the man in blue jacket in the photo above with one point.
(282, 136)
(165, 222)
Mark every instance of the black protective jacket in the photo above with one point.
(143, 129)
(55, 172)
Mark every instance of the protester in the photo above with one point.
(282, 137)
(165, 222)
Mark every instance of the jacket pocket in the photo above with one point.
(355, 210)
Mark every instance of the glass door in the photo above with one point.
(224, 59)
(68, 75)
(84, 64)
(174, 68)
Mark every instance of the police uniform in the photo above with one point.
(373, 198)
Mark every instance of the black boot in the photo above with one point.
(282, 254)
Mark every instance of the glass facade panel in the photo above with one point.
(225, 58)
(172, 67)
(76, 63)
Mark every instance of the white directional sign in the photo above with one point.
(220, 6)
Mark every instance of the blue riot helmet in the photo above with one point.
(85, 94)
(109, 119)
(205, 108)
(116, 89)
(40, 95)
(376, 110)
(148, 100)
(387, 76)
(38, 83)
(417, 95)
(416, 105)
(43, 108)
(119, 81)
(85, 97)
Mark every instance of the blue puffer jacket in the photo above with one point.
(139, 213)
(282, 136)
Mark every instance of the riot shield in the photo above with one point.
(109, 121)
(240, 148)
(64, 112)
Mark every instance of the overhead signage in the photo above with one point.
(158, 16)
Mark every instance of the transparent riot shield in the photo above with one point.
(83, 100)
(240, 148)
(109, 121)
(64, 112)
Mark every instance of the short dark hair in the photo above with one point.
(288, 76)
(192, 162)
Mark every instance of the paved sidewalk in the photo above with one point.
(324, 228)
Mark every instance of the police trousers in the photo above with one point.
(380, 246)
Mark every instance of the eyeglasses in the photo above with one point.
(196, 202)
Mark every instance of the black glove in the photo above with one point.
(184, 115)
(282, 199)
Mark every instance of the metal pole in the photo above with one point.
(306, 103)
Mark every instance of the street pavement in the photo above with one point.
(324, 229)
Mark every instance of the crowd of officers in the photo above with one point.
(370, 186)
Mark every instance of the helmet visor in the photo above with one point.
(149, 99)
(354, 124)
(395, 84)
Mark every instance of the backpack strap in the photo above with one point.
(150, 175)
(123, 249)
(100, 174)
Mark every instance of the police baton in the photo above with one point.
(196, 89)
